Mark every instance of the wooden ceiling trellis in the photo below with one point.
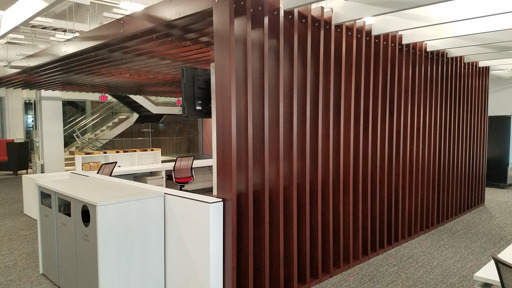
(143, 63)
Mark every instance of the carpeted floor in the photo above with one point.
(19, 259)
(445, 257)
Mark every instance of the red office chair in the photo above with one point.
(183, 173)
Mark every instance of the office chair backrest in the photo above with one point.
(107, 168)
(183, 167)
(504, 271)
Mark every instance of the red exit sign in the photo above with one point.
(103, 98)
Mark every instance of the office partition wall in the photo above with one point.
(335, 145)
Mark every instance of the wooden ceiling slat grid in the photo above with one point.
(145, 63)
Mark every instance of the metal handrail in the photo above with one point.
(81, 131)
(90, 143)
(81, 121)
(171, 102)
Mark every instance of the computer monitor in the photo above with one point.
(107, 168)
(196, 92)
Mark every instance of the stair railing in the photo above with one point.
(81, 130)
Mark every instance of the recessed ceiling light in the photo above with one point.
(368, 20)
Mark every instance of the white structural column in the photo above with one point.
(500, 102)
(15, 128)
(51, 134)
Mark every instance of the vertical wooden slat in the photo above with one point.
(460, 136)
(408, 195)
(289, 169)
(324, 156)
(257, 148)
(434, 152)
(474, 130)
(419, 181)
(367, 236)
(412, 135)
(398, 135)
(443, 86)
(449, 132)
(274, 160)
(357, 144)
(301, 126)
(376, 183)
(484, 115)
(337, 145)
(223, 20)
(392, 224)
(384, 159)
(313, 104)
(347, 138)
(243, 127)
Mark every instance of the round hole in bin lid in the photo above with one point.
(86, 216)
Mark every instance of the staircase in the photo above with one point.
(93, 131)
(145, 115)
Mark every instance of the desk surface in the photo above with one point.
(97, 190)
(124, 170)
(488, 273)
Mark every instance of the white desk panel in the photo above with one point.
(488, 273)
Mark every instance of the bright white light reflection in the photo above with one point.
(132, 6)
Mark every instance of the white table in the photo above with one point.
(155, 169)
(30, 192)
(488, 273)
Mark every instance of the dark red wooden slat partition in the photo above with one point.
(336, 145)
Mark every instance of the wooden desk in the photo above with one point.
(488, 273)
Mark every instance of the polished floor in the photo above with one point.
(445, 257)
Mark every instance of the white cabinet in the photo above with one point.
(193, 245)
(66, 241)
(47, 235)
(87, 246)
(108, 234)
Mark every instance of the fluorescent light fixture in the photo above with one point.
(368, 20)
(132, 6)
(64, 35)
(58, 39)
(12, 35)
(112, 15)
(85, 2)
(43, 19)
(121, 11)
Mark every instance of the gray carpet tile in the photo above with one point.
(445, 257)
(19, 258)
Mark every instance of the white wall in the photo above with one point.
(500, 96)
